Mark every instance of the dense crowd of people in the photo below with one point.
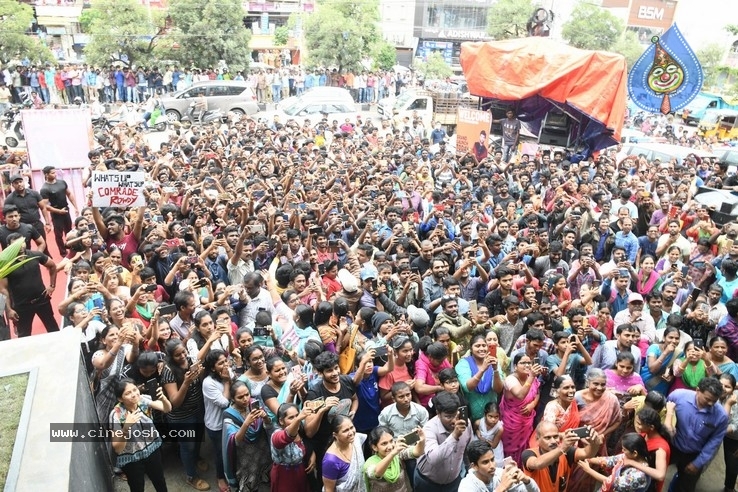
(359, 308)
(73, 84)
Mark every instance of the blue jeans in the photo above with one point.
(131, 94)
(189, 449)
(508, 151)
(216, 437)
(276, 93)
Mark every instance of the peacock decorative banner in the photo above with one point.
(667, 76)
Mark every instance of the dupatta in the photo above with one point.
(485, 384)
(232, 421)
(648, 285)
(353, 480)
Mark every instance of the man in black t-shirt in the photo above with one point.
(59, 195)
(338, 395)
(27, 295)
(30, 205)
(14, 225)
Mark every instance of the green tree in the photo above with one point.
(629, 46)
(15, 19)
(207, 32)
(86, 17)
(732, 29)
(385, 55)
(342, 33)
(434, 68)
(592, 28)
(281, 36)
(508, 18)
(710, 57)
(122, 31)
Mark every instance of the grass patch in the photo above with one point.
(12, 396)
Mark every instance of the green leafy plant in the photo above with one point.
(11, 259)
(281, 36)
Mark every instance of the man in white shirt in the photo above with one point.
(258, 299)
(485, 474)
(638, 318)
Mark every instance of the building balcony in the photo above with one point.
(70, 9)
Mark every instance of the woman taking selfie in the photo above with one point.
(280, 388)
(246, 453)
(289, 452)
(131, 416)
(207, 337)
(518, 406)
(384, 471)
(117, 347)
(182, 383)
(479, 377)
(620, 475)
(216, 391)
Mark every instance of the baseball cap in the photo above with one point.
(635, 297)
(15, 177)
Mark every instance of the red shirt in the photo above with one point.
(127, 245)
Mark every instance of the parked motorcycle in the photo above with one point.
(13, 127)
(192, 118)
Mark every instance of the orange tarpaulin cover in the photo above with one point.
(594, 82)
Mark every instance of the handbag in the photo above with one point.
(347, 357)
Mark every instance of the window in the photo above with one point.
(336, 108)
(421, 103)
(217, 90)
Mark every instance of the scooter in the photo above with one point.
(190, 118)
(12, 124)
(158, 120)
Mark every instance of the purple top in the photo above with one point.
(334, 467)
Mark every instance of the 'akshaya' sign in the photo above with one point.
(118, 189)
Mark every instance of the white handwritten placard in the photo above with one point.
(118, 189)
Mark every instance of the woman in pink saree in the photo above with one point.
(600, 409)
(518, 405)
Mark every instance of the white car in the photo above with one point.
(322, 93)
(313, 111)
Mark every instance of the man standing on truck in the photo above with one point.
(510, 134)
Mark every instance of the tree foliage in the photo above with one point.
(507, 18)
(592, 28)
(732, 29)
(281, 36)
(121, 31)
(434, 68)
(342, 33)
(385, 55)
(206, 32)
(710, 57)
(629, 46)
(15, 44)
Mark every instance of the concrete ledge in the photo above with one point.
(57, 392)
